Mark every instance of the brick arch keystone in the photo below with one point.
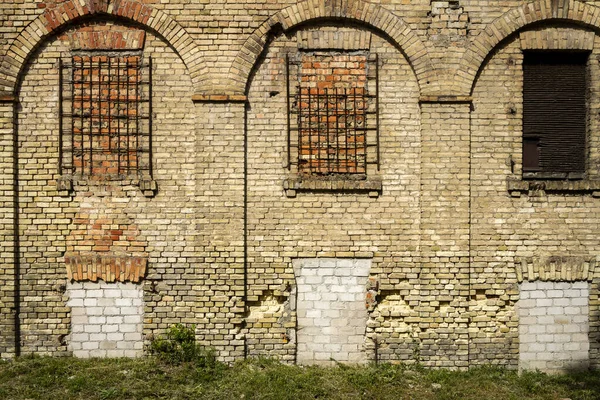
(362, 12)
(573, 11)
(55, 18)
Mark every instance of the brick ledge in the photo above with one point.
(219, 98)
(516, 187)
(372, 185)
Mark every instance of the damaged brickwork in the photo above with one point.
(245, 146)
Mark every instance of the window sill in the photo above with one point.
(65, 185)
(517, 187)
(295, 183)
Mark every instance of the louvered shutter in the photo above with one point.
(554, 112)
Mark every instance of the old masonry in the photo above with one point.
(316, 180)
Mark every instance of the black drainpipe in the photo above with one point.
(16, 239)
(246, 106)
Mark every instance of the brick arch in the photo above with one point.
(55, 18)
(573, 11)
(369, 14)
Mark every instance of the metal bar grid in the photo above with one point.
(332, 129)
(109, 118)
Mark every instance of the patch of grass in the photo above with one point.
(156, 378)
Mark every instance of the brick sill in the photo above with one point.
(66, 184)
(517, 187)
(371, 184)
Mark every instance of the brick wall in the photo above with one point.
(440, 211)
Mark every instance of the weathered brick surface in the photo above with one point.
(441, 211)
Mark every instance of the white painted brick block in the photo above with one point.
(97, 337)
(75, 302)
(113, 293)
(80, 337)
(76, 293)
(133, 337)
(123, 302)
(117, 336)
(111, 311)
(545, 319)
(114, 319)
(552, 294)
(583, 285)
(535, 329)
(553, 310)
(129, 293)
(110, 328)
(555, 347)
(543, 302)
(561, 302)
(126, 311)
(94, 310)
(104, 302)
(579, 301)
(90, 302)
(94, 293)
(89, 345)
(541, 311)
(132, 353)
(127, 328)
(96, 320)
(135, 319)
(572, 311)
(92, 328)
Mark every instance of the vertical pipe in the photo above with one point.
(109, 105)
(137, 114)
(345, 111)
(376, 106)
(60, 115)
(355, 125)
(318, 131)
(81, 119)
(99, 137)
(287, 96)
(16, 235)
(127, 127)
(337, 130)
(327, 99)
(73, 115)
(119, 114)
(245, 218)
(91, 113)
(150, 117)
(299, 128)
(310, 129)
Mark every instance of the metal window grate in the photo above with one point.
(333, 119)
(106, 123)
(332, 127)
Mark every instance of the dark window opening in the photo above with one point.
(554, 114)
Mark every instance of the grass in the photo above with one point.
(152, 378)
